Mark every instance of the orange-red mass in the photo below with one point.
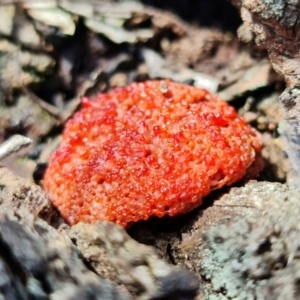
(150, 149)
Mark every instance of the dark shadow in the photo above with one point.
(213, 13)
(147, 232)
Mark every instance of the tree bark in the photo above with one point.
(275, 26)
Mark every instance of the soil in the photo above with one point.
(242, 243)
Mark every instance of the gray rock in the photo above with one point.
(23, 196)
(108, 248)
(36, 262)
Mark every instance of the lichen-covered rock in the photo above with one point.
(246, 246)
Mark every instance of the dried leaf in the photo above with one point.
(7, 14)
(117, 34)
(254, 78)
(55, 17)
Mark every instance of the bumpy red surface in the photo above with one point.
(149, 149)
